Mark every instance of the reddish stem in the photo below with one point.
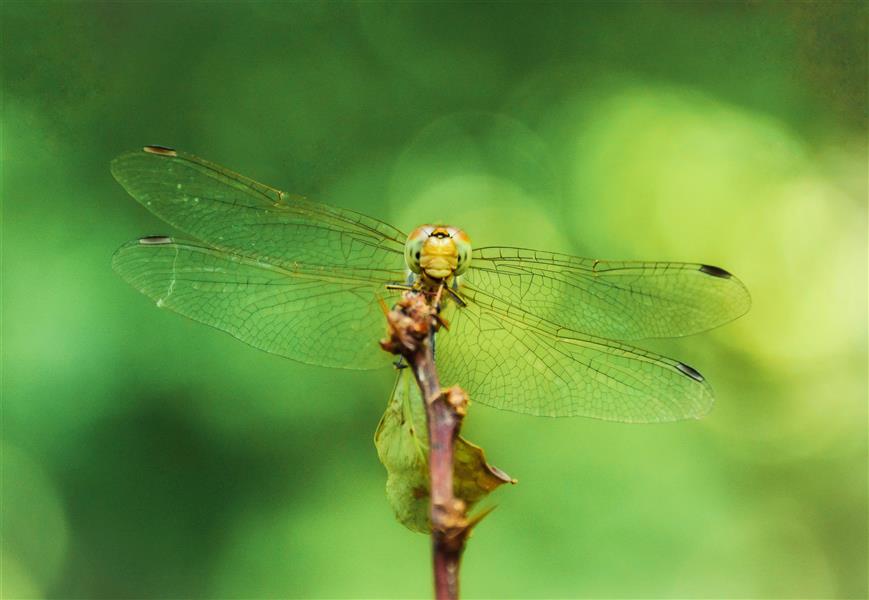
(412, 324)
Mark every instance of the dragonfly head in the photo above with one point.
(438, 251)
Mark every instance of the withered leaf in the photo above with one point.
(402, 446)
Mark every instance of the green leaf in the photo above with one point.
(402, 446)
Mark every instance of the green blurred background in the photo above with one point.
(147, 456)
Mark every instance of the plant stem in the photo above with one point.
(447, 512)
(412, 325)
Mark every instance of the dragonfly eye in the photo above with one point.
(463, 247)
(413, 248)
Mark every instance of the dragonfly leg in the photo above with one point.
(437, 298)
(455, 296)
(433, 348)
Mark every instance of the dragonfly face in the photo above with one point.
(535, 332)
(438, 251)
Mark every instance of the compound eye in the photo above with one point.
(463, 248)
(413, 248)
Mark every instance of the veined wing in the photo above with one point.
(508, 358)
(610, 299)
(316, 315)
(231, 212)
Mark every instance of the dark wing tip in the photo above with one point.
(715, 271)
(690, 372)
(161, 150)
(155, 240)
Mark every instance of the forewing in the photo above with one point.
(609, 299)
(328, 317)
(507, 358)
(234, 213)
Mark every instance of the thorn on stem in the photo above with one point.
(457, 400)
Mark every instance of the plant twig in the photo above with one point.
(412, 324)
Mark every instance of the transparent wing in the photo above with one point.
(316, 315)
(234, 213)
(507, 358)
(616, 300)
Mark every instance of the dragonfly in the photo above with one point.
(534, 332)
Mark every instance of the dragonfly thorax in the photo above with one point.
(437, 251)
